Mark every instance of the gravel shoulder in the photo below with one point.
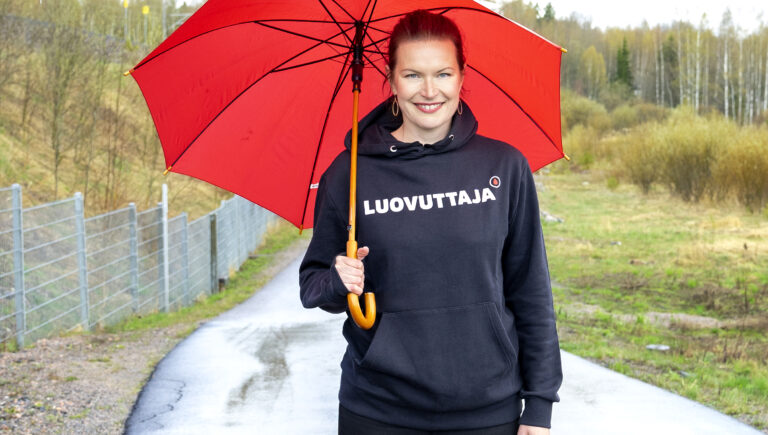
(87, 383)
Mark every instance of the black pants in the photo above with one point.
(354, 424)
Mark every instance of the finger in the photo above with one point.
(356, 290)
(350, 262)
(362, 252)
(351, 279)
(348, 274)
(350, 270)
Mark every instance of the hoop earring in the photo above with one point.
(395, 106)
(461, 108)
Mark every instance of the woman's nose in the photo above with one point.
(428, 89)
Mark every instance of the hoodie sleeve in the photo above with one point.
(320, 284)
(528, 294)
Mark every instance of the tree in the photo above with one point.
(593, 71)
(623, 69)
(65, 56)
(549, 13)
(671, 69)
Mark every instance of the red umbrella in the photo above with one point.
(249, 95)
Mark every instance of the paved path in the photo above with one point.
(269, 366)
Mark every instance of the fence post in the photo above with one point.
(238, 232)
(133, 218)
(185, 251)
(18, 265)
(254, 228)
(222, 256)
(160, 257)
(164, 209)
(214, 254)
(81, 265)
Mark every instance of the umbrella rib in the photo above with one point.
(374, 65)
(370, 15)
(224, 27)
(310, 62)
(514, 101)
(345, 11)
(375, 43)
(366, 10)
(240, 94)
(380, 30)
(339, 81)
(334, 20)
(304, 36)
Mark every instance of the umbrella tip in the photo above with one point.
(167, 170)
(566, 157)
(301, 229)
(564, 50)
(127, 73)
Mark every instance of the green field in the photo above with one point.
(631, 270)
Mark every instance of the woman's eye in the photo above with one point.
(411, 76)
(444, 74)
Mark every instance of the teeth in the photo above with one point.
(429, 107)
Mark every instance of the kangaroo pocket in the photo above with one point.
(456, 358)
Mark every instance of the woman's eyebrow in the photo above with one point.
(417, 71)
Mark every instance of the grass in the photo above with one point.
(242, 286)
(632, 270)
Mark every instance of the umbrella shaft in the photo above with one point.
(353, 171)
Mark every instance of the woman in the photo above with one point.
(454, 252)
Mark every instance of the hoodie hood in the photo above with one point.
(375, 134)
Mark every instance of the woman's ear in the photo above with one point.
(390, 79)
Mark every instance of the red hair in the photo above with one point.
(420, 25)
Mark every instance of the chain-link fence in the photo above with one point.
(60, 271)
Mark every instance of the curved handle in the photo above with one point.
(353, 300)
(367, 321)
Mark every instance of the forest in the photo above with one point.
(712, 65)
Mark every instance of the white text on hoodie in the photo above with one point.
(426, 202)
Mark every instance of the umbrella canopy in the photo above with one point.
(253, 95)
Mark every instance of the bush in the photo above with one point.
(578, 110)
(615, 94)
(580, 144)
(762, 118)
(641, 158)
(624, 116)
(742, 170)
(647, 112)
(690, 145)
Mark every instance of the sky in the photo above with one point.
(747, 14)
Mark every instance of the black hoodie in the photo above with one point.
(465, 328)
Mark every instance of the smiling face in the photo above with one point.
(427, 82)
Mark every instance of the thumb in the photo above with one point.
(362, 252)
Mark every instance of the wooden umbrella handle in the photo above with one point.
(365, 322)
(353, 300)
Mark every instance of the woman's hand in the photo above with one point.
(532, 430)
(352, 272)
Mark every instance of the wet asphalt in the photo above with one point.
(269, 366)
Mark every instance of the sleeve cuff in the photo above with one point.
(337, 288)
(537, 412)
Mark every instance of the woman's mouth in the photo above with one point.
(429, 108)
